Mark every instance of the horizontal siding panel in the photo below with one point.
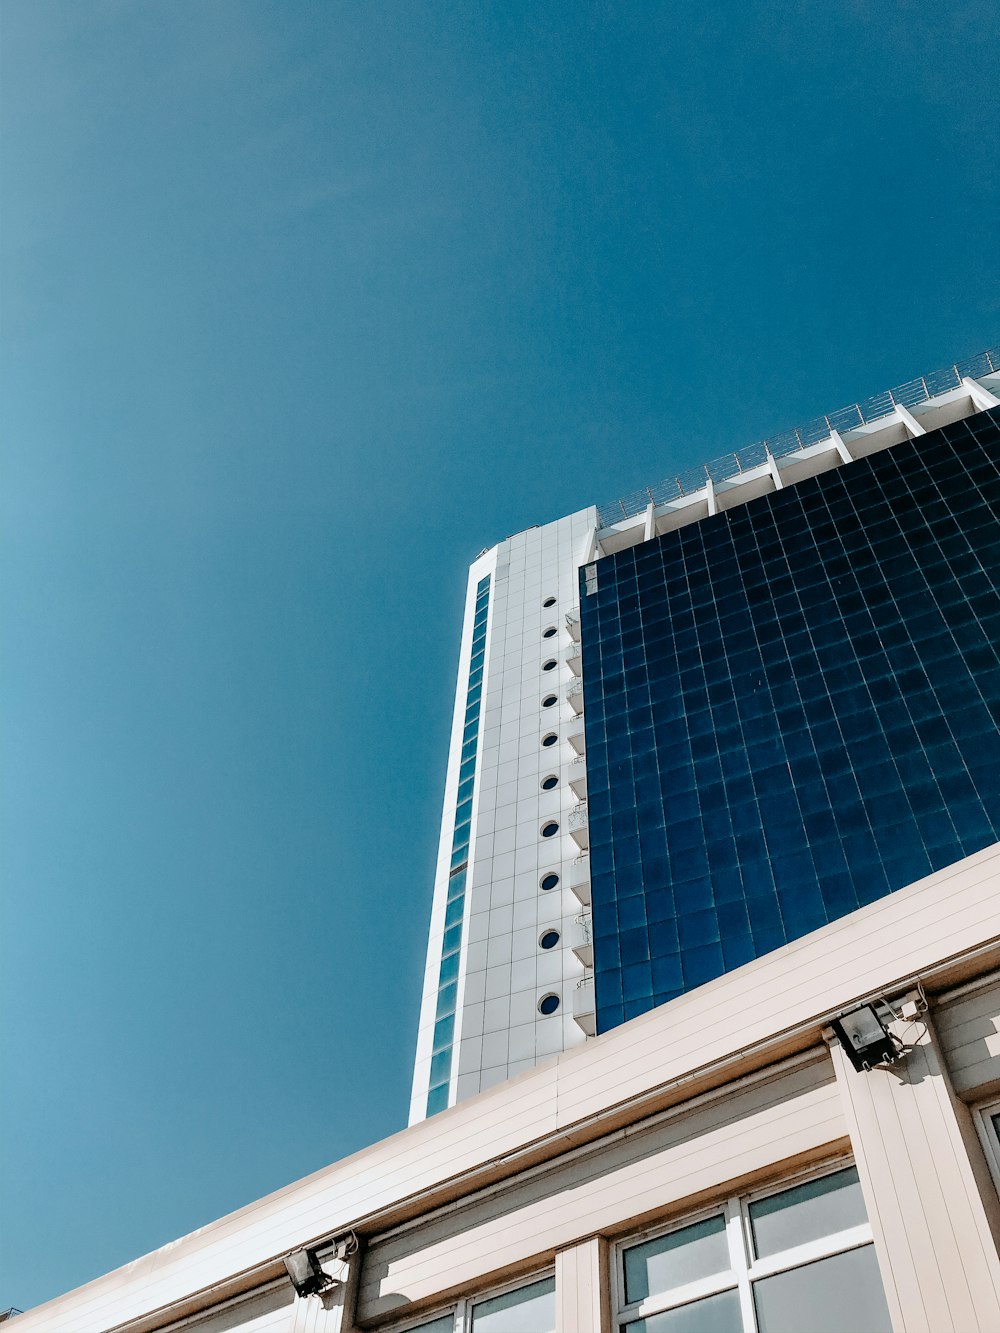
(978, 1077)
(735, 1135)
(952, 1012)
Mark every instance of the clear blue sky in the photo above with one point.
(305, 303)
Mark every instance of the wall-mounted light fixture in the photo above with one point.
(307, 1274)
(865, 1037)
(308, 1278)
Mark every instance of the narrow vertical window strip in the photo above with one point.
(437, 1095)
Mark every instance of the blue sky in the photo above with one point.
(303, 305)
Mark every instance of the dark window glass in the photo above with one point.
(548, 1004)
(790, 709)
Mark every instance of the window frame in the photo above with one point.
(461, 1310)
(745, 1268)
(989, 1135)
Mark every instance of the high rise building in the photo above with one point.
(723, 797)
(710, 718)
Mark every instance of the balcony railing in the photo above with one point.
(579, 878)
(582, 942)
(881, 405)
(585, 1006)
(579, 825)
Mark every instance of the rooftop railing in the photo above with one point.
(846, 418)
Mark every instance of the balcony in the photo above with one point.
(581, 940)
(573, 658)
(579, 878)
(574, 696)
(576, 737)
(584, 1006)
(578, 777)
(579, 826)
(573, 624)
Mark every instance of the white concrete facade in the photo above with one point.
(734, 1093)
(505, 972)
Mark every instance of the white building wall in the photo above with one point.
(504, 973)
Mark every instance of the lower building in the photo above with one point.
(806, 1144)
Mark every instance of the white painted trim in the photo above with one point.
(775, 471)
(980, 395)
(837, 441)
(911, 423)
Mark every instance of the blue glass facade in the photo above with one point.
(447, 997)
(792, 709)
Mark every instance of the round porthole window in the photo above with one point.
(550, 739)
(549, 700)
(548, 1004)
(550, 829)
(549, 939)
(549, 601)
(549, 881)
(549, 782)
(550, 665)
(548, 633)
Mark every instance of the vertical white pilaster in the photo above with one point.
(583, 1288)
(929, 1218)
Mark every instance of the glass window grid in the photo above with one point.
(883, 708)
(442, 1045)
(746, 1268)
(461, 1311)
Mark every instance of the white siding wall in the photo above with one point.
(770, 1125)
(969, 1029)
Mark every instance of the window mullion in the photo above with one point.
(677, 1296)
(738, 1239)
(824, 1248)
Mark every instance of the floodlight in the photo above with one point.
(865, 1038)
(303, 1267)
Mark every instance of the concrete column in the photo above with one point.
(583, 1288)
(931, 1219)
